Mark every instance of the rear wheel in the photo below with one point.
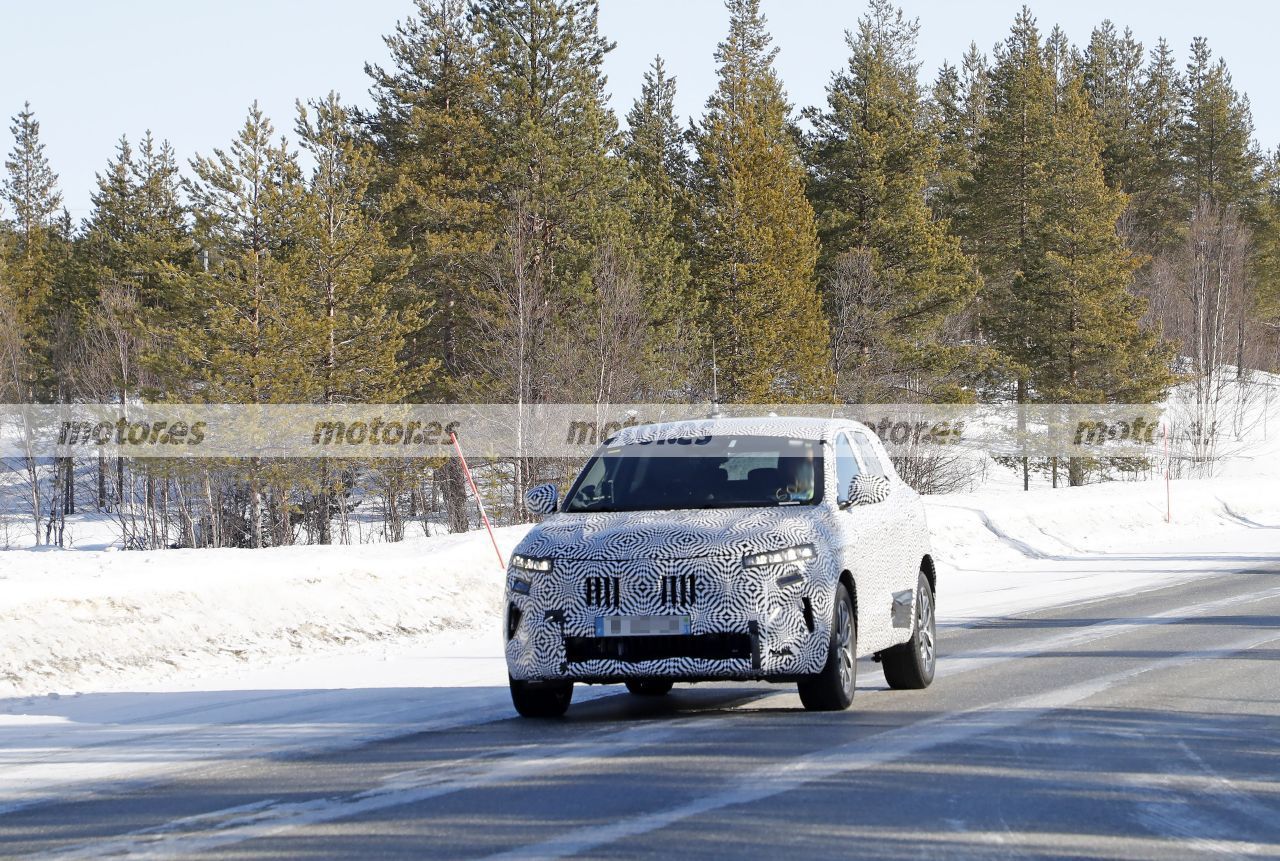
(832, 689)
(541, 699)
(649, 687)
(910, 666)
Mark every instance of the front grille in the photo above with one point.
(716, 647)
(602, 591)
(678, 590)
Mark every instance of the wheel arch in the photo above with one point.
(846, 579)
(930, 572)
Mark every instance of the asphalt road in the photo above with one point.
(1145, 726)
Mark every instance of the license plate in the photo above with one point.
(641, 626)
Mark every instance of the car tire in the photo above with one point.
(832, 689)
(910, 666)
(541, 699)
(650, 687)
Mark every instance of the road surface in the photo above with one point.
(1139, 726)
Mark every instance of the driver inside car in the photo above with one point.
(798, 474)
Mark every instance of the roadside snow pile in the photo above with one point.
(74, 620)
(1001, 528)
(68, 619)
(1007, 553)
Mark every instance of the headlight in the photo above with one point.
(530, 564)
(778, 557)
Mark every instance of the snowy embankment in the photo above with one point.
(1007, 552)
(71, 619)
(83, 620)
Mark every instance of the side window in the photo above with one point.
(869, 456)
(846, 468)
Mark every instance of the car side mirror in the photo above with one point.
(868, 490)
(541, 500)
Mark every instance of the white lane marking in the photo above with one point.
(177, 837)
(892, 745)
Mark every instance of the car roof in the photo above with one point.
(794, 427)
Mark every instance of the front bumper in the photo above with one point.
(744, 623)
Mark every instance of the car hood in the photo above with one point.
(694, 534)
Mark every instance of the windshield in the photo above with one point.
(706, 472)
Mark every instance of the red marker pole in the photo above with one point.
(480, 502)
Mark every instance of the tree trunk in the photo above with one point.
(255, 506)
(453, 484)
(1075, 471)
(102, 481)
(1022, 428)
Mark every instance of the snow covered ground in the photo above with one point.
(76, 619)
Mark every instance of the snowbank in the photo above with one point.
(1002, 528)
(70, 620)
(1005, 553)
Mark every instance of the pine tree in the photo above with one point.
(563, 191)
(1222, 166)
(1093, 348)
(1159, 211)
(1064, 60)
(161, 243)
(30, 187)
(251, 345)
(350, 267)
(1058, 303)
(1010, 172)
(137, 259)
(439, 171)
(756, 238)
(1113, 81)
(872, 152)
(662, 213)
(560, 313)
(1086, 342)
(1219, 158)
(36, 258)
(247, 203)
(351, 274)
(553, 130)
(959, 107)
(655, 142)
(1266, 268)
(439, 167)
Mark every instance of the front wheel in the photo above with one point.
(649, 687)
(910, 666)
(831, 690)
(541, 699)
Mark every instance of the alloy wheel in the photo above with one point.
(844, 642)
(924, 623)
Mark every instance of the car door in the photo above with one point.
(905, 550)
(868, 540)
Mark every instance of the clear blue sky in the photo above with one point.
(96, 69)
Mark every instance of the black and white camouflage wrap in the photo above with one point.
(869, 490)
(632, 563)
(541, 499)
